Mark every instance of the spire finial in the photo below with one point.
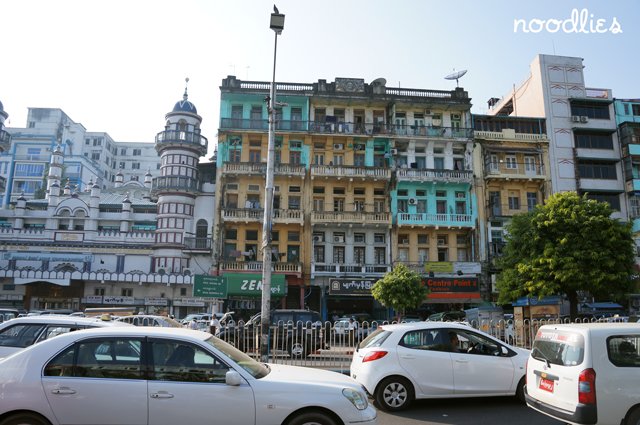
(186, 80)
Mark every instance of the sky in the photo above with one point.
(119, 66)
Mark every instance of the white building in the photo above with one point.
(584, 152)
(98, 238)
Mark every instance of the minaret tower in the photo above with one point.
(180, 147)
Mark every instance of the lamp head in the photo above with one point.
(277, 21)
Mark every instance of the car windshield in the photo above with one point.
(256, 369)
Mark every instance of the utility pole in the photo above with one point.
(277, 25)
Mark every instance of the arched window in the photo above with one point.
(202, 228)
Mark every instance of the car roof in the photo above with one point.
(424, 325)
(600, 326)
(60, 319)
(131, 331)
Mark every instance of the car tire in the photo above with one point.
(520, 389)
(633, 418)
(25, 418)
(394, 393)
(312, 418)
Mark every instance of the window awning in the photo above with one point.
(25, 281)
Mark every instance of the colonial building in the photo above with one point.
(138, 243)
(366, 176)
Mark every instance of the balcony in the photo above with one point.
(510, 135)
(256, 266)
(348, 128)
(350, 172)
(332, 269)
(174, 183)
(511, 171)
(182, 138)
(507, 210)
(443, 220)
(260, 169)
(350, 217)
(253, 215)
(444, 176)
(195, 244)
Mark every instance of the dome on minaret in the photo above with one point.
(5, 115)
(185, 105)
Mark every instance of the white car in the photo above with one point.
(149, 320)
(167, 376)
(21, 332)
(402, 362)
(586, 373)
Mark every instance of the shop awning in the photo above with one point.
(25, 281)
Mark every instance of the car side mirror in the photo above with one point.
(505, 350)
(232, 378)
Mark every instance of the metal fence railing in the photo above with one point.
(331, 345)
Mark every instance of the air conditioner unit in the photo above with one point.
(161, 271)
(455, 116)
(575, 118)
(186, 271)
(441, 242)
(404, 241)
(394, 151)
(413, 201)
(359, 147)
(338, 239)
(338, 146)
(584, 118)
(427, 111)
(317, 238)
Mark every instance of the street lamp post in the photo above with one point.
(277, 25)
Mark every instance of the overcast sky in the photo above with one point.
(119, 66)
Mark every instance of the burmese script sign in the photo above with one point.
(352, 287)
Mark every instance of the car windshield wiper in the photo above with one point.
(537, 354)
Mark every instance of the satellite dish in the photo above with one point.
(379, 81)
(456, 76)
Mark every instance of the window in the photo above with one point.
(126, 292)
(443, 254)
(359, 238)
(231, 234)
(338, 204)
(511, 163)
(423, 239)
(251, 235)
(532, 200)
(338, 254)
(135, 165)
(293, 236)
(178, 361)
(318, 253)
(98, 291)
(612, 198)
(594, 141)
(514, 201)
(294, 189)
(338, 160)
(623, 350)
(318, 204)
(234, 155)
(591, 110)
(318, 159)
(295, 157)
(294, 202)
(597, 170)
(137, 152)
(635, 109)
(254, 156)
(378, 238)
(359, 255)
(380, 255)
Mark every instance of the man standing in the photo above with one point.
(214, 324)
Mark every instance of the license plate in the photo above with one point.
(546, 385)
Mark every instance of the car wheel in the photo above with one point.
(25, 419)
(394, 393)
(297, 349)
(520, 389)
(633, 418)
(312, 418)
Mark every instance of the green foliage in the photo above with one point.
(570, 244)
(400, 289)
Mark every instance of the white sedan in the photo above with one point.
(144, 375)
(402, 362)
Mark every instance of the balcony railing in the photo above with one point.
(507, 210)
(350, 172)
(509, 135)
(332, 217)
(360, 269)
(257, 214)
(252, 168)
(197, 244)
(449, 176)
(507, 171)
(5, 140)
(164, 183)
(193, 138)
(457, 220)
(256, 266)
(340, 127)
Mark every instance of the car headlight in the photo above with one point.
(357, 398)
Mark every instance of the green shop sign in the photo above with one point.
(250, 285)
(237, 285)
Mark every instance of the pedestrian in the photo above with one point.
(193, 324)
(353, 329)
(214, 324)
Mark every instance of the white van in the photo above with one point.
(586, 373)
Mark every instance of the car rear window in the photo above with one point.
(564, 348)
(375, 339)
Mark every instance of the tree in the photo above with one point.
(568, 245)
(400, 289)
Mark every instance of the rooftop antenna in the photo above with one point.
(455, 75)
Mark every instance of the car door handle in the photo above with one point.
(63, 390)
(408, 357)
(462, 361)
(161, 394)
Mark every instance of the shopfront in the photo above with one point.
(348, 296)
